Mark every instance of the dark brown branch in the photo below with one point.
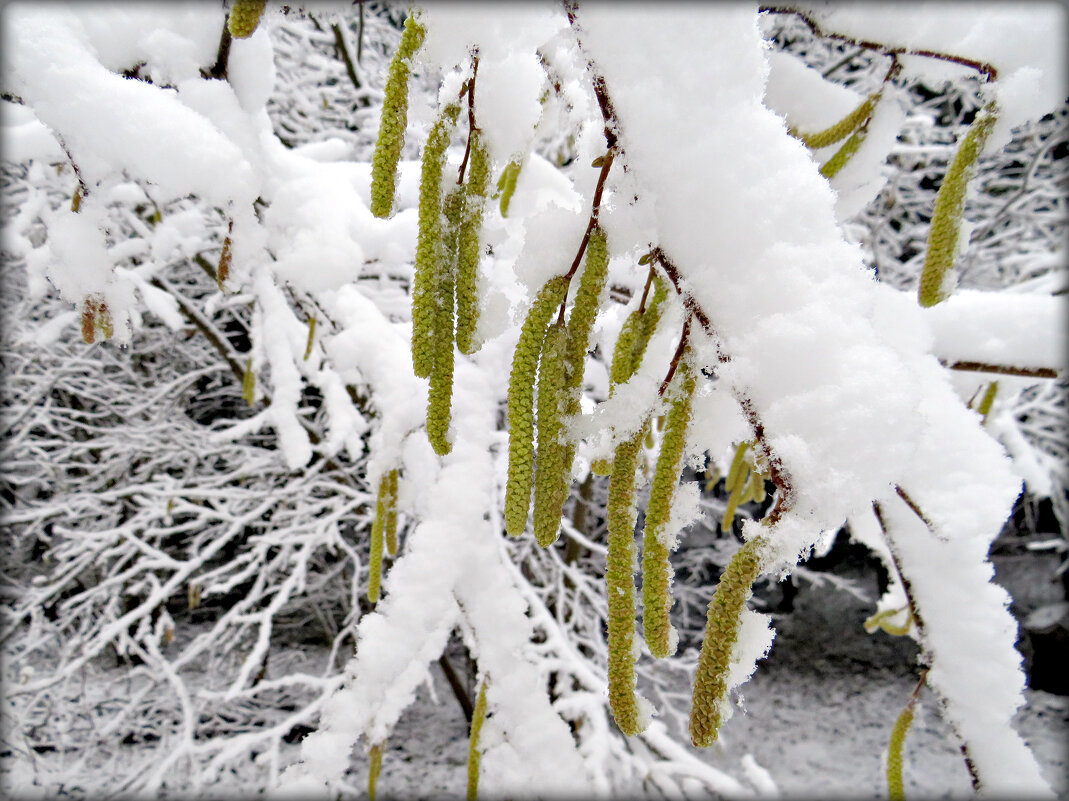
(222, 58)
(469, 87)
(676, 356)
(916, 509)
(457, 687)
(1003, 369)
(689, 302)
(987, 70)
(595, 209)
(343, 51)
(776, 471)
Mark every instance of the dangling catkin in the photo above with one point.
(440, 394)
(478, 717)
(656, 569)
(721, 634)
(832, 166)
(245, 17)
(895, 789)
(378, 528)
(425, 282)
(984, 409)
(374, 767)
(521, 403)
(506, 184)
(394, 121)
(468, 245)
(620, 584)
(391, 513)
(551, 472)
(248, 383)
(949, 207)
(844, 127)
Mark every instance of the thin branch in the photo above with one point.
(683, 337)
(222, 57)
(915, 508)
(457, 687)
(987, 70)
(343, 51)
(469, 87)
(646, 290)
(1003, 369)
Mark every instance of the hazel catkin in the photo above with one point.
(620, 584)
(391, 513)
(721, 633)
(394, 120)
(521, 403)
(468, 245)
(478, 717)
(844, 127)
(440, 394)
(378, 529)
(551, 473)
(245, 17)
(895, 789)
(949, 207)
(656, 569)
(425, 282)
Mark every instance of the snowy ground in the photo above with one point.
(818, 715)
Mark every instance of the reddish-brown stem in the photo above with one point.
(1004, 369)
(987, 70)
(470, 87)
(676, 357)
(915, 508)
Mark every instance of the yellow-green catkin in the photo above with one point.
(440, 393)
(844, 127)
(391, 513)
(478, 717)
(385, 504)
(988, 400)
(374, 768)
(429, 249)
(620, 581)
(656, 568)
(949, 207)
(311, 338)
(721, 633)
(248, 383)
(551, 472)
(895, 789)
(245, 17)
(506, 184)
(521, 403)
(394, 121)
(468, 244)
(622, 365)
(842, 156)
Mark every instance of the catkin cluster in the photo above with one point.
(394, 121)
(949, 207)
(745, 482)
(245, 17)
(521, 403)
(478, 717)
(620, 584)
(656, 569)
(564, 362)
(721, 633)
(385, 520)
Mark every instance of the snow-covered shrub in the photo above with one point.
(715, 201)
